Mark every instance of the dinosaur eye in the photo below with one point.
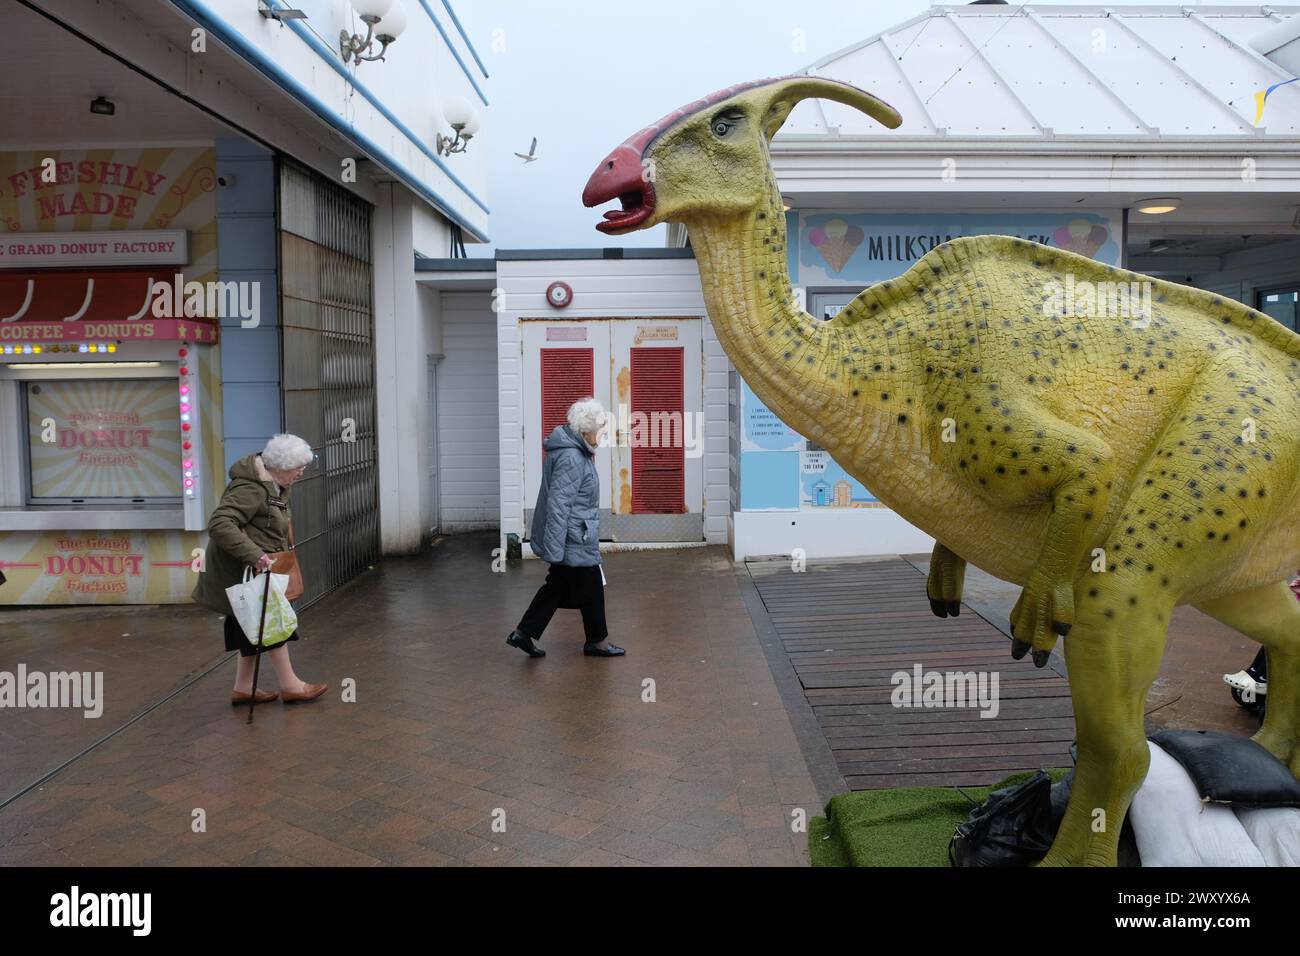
(721, 127)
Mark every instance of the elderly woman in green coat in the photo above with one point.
(249, 524)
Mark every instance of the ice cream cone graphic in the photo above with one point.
(836, 241)
(1080, 236)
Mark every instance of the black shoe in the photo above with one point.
(591, 650)
(525, 644)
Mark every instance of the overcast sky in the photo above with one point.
(583, 75)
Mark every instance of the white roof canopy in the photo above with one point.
(1095, 106)
(1073, 72)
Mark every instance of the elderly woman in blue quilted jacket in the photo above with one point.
(566, 532)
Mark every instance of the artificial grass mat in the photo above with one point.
(910, 826)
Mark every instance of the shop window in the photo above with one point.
(1282, 304)
(827, 305)
(102, 441)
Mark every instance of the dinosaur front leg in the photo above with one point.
(1271, 615)
(1074, 470)
(1113, 654)
(943, 586)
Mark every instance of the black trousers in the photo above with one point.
(570, 587)
(1259, 667)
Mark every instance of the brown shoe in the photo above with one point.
(309, 692)
(263, 697)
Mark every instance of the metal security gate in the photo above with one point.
(328, 375)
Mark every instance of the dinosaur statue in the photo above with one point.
(1113, 468)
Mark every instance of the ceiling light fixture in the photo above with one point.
(1158, 206)
(103, 106)
(66, 365)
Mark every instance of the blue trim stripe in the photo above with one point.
(465, 36)
(452, 47)
(197, 11)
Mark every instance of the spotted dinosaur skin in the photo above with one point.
(1114, 467)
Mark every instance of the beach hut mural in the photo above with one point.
(821, 493)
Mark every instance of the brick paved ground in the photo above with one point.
(1189, 691)
(144, 654)
(449, 725)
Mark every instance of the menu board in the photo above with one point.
(111, 438)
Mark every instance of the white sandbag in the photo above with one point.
(1174, 828)
(1275, 831)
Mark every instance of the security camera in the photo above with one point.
(226, 180)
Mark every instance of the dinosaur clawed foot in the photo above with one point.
(1045, 609)
(945, 608)
(944, 584)
(1020, 648)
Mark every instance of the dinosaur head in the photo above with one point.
(711, 155)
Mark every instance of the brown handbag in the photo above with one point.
(286, 562)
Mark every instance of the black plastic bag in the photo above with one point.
(1029, 847)
(1059, 799)
(1013, 827)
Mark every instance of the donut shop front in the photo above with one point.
(110, 405)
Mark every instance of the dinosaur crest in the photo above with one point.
(710, 156)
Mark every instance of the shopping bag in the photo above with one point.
(281, 620)
(246, 602)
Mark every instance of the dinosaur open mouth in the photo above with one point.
(637, 205)
(632, 208)
(620, 177)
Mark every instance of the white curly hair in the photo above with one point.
(286, 452)
(586, 415)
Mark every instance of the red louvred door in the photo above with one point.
(567, 375)
(659, 458)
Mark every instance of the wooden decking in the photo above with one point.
(847, 628)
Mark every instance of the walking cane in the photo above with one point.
(261, 628)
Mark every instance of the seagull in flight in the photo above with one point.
(531, 151)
